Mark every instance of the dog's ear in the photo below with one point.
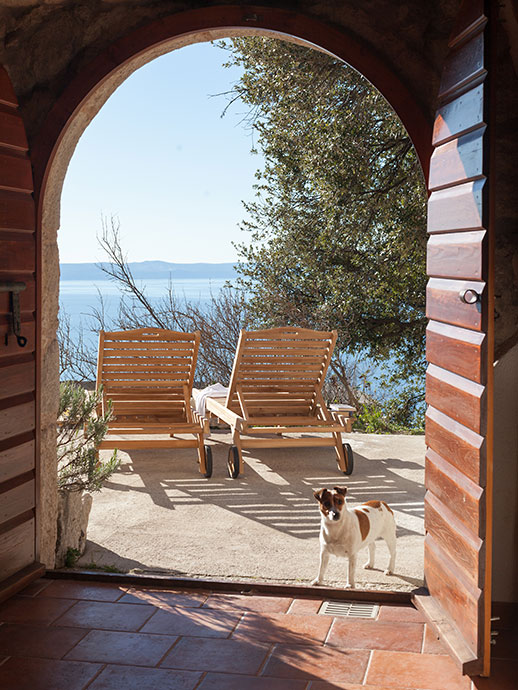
(319, 495)
(340, 490)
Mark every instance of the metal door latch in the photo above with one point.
(469, 296)
(14, 288)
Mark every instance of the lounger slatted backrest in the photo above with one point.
(148, 372)
(279, 371)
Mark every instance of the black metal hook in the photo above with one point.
(14, 288)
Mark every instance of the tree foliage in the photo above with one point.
(219, 320)
(337, 230)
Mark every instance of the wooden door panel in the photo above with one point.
(16, 420)
(464, 497)
(457, 161)
(462, 447)
(459, 350)
(462, 114)
(443, 302)
(16, 211)
(456, 255)
(463, 546)
(15, 171)
(459, 598)
(464, 67)
(16, 461)
(17, 499)
(18, 252)
(17, 547)
(18, 378)
(456, 208)
(17, 365)
(456, 396)
(12, 131)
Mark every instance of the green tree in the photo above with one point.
(337, 230)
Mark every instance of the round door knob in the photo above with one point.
(469, 296)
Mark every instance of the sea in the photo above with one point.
(79, 298)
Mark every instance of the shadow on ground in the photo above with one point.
(157, 513)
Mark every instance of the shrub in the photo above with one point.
(80, 432)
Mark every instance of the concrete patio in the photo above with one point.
(158, 515)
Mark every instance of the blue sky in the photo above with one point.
(160, 158)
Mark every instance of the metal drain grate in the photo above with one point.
(351, 609)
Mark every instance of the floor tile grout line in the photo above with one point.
(95, 676)
(266, 659)
(328, 634)
(424, 638)
(231, 632)
(86, 632)
(107, 587)
(200, 680)
(73, 602)
(44, 586)
(147, 619)
(367, 667)
(178, 638)
(290, 606)
(124, 663)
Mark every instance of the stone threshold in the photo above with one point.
(242, 587)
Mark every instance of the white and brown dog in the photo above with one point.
(344, 532)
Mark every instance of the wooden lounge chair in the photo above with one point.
(275, 389)
(148, 375)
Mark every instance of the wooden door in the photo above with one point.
(17, 364)
(460, 351)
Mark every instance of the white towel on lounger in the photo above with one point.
(200, 396)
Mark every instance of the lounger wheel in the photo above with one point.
(349, 458)
(208, 461)
(233, 462)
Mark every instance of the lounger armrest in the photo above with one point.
(202, 421)
(345, 417)
(219, 409)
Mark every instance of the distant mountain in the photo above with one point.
(143, 270)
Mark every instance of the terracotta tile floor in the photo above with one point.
(69, 635)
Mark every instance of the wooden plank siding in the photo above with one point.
(458, 390)
(17, 365)
(464, 497)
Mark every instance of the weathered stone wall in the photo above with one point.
(45, 44)
(72, 523)
(49, 381)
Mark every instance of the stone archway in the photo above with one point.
(84, 97)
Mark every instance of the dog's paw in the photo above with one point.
(368, 566)
(350, 585)
(316, 581)
(388, 572)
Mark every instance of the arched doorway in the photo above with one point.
(86, 93)
(89, 91)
